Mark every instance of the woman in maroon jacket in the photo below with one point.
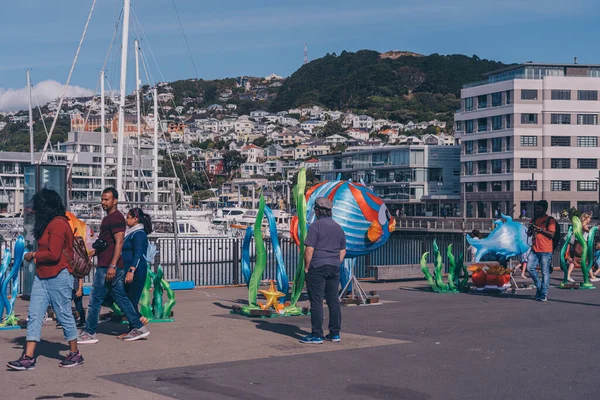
(53, 282)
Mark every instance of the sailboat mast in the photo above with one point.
(31, 144)
(155, 149)
(139, 125)
(123, 83)
(102, 132)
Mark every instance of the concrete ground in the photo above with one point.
(417, 345)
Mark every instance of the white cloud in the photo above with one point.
(42, 93)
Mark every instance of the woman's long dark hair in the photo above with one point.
(144, 218)
(47, 205)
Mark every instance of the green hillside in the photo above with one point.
(400, 86)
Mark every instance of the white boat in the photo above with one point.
(228, 215)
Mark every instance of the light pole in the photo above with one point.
(439, 184)
(598, 179)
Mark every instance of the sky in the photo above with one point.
(260, 37)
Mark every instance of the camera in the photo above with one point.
(532, 230)
(99, 245)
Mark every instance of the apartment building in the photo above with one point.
(530, 130)
(83, 149)
(421, 179)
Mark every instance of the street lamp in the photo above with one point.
(598, 185)
(439, 184)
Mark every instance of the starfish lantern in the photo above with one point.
(272, 295)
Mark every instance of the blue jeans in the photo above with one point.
(135, 288)
(543, 259)
(116, 288)
(56, 292)
(597, 258)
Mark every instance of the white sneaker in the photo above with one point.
(571, 279)
(86, 338)
(595, 279)
(136, 334)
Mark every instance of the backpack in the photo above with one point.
(557, 233)
(81, 263)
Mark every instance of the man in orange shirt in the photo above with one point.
(541, 230)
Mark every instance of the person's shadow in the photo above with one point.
(43, 348)
(292, 331)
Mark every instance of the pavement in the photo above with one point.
(417, 345)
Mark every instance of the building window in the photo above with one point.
(482, 167)
(527, 94)
(529, 163)
(587, 95)
(496, 145)
(482, 125)
(528, 141)
(560, 163)
(482, 101)
(509, 99)
(469, 147)
(560, 119)
(560, 141)
(528, 186)
(496, 186)
(97, 159)
(458, 126)
(587, 163)
(509, 121)
(496, 99)
(508, 140)
(482, 186)
(529, 119)
(587, 141)
(469, 126)
(496, 166)
(468, 104)
(560, 95)
(469, 187)
(482, 146)
(497, 122)
(587, 186)
(560, 186)
(587, 119)
(508, 186)
(469, 168)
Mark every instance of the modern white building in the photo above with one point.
(530, 130)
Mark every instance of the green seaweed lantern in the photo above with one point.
(300, 198)
(455, 284)
(587, 246)
(261, 260)
(151, 306)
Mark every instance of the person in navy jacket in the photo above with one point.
(135, 246)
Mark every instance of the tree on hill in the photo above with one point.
(364, 80)
(232, 160)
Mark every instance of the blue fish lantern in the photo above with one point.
(508, 239)
(362, 215)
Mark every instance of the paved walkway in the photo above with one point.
(417, 345)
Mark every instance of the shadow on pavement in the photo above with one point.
(43, 348)
(283, 329)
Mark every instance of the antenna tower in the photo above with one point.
(305, 53)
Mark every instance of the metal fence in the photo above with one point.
(217, 261)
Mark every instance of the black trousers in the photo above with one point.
(324, 282)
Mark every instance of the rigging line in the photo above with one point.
(185, 39)
(87, 23)
(149, 47)
(79, 137)
(141, 29)
(44, 124)
(156, 111)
